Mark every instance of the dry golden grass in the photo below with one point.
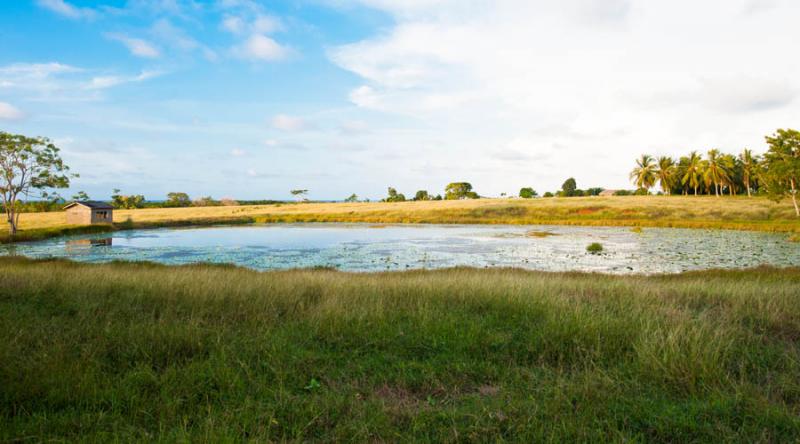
(755, 213)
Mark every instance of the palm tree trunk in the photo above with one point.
(747, 184)
(794, 198)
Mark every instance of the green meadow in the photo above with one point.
(140, 352)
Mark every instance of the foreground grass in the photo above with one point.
(208, 353)
(739, 213)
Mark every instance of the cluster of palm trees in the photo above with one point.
(717, 173)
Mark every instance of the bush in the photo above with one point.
(595, 248)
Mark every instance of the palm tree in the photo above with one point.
(715, 172)
(666, 173)
(729, 164)
(694, 167)
(644, 175)
(749, 168)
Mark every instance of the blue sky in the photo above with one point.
(249, 99)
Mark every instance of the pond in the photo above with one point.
(370, 247)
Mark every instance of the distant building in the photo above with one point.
(607, 193)
(89, 213)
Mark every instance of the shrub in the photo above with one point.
(595, 248)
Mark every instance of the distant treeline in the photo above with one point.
(122, 201)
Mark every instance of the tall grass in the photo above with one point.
(215, 353)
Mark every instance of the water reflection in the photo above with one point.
(82, 243)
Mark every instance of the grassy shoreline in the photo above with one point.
(738, 213)
(146, 352)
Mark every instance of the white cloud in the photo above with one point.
(261, 48)
(137, 47)
(236, 152)
(475, 78)
(289, 123)
(233, 24)
(102, 82)
(9, 112)
(66, 9)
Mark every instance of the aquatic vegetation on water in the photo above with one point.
(359, 247)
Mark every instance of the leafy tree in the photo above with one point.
(644, 175)
(568, 187)
(527, 193)
(206, 201)
(81, 195)
(126, 202)
(594, 191)
(422, 195)
(299, 194)
(459, 190)
(749, 164)
(394, 196)
(176, 199)
(352, 198)
(29, 166)
(665, 172)
(693, 170)
(548, 194)
(438, 197)
(782, 165)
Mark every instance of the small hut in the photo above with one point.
(606, 193)
(89, 213)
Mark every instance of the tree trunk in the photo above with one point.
(747, 184)
(794, 198)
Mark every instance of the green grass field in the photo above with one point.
(123, 352)
(736, 213)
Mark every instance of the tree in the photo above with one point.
(422, 195)
(299, 194)
(568, 187)
(394, 196)
(527, 193)
(693, 169)
(665, 172)
(459, 190)
(782, 165)
(352, 198)
(715, 172)
(749, 168)
(548, 194)
(644, 175)
(81, 195)
(29, 166)
(595, 191)
(176, 199)
(127, 202)
(206, 201)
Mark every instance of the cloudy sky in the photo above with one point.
(249, 98)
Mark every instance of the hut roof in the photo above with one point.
(90, 204)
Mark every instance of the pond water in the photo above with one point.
(367, 247)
